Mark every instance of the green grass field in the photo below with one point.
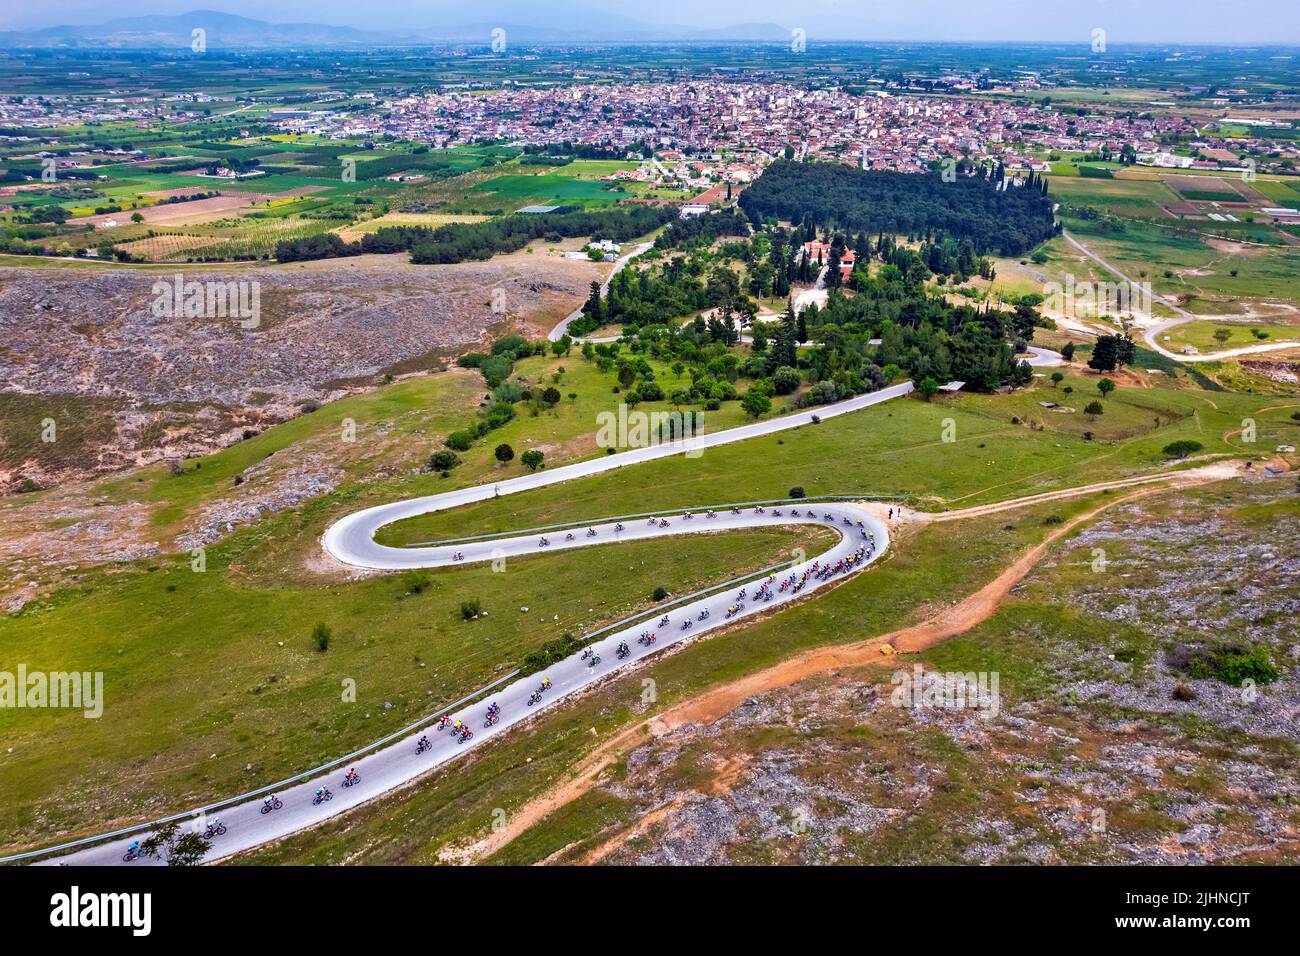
(1201, 334)
(205, 673)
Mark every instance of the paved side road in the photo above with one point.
(351, 538)
(559, 331)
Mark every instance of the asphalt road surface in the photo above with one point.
(863, 538)
(399, 763)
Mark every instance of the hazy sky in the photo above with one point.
(1137, 21)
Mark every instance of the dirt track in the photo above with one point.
(719, 701)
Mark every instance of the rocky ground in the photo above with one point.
(170, 387)
(1106, 750)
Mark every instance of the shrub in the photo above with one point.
(825, 392)
(320, 636)
(660, 593)
(1181, 448)
(785, 380)
(1236, 669)
(443, 460)
(459, 441)
(797, 492)
(549, 653)
(1228, 661)
(471, 609)
(416, 581)
(650, 392)
(509, 392)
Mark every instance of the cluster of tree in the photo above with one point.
(234, 164)
(1109, 352)
(498, 407)
(576, 150)
(920, 333)
(1006, 221)
(19, 174)
(771, 262)
(703, 230)
(663, 291)
(464, 242)
(545, 160)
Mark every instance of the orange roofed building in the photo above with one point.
(821, 251)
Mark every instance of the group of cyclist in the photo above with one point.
(794, 583)
(542, 688)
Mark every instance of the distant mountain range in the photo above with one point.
(229, 31)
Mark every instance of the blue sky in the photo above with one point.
(1136, 21)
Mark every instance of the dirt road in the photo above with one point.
(716, 702)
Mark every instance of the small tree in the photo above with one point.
(1093, 410)
(1105, 386)
(1222, 335)
(756, 403)
(320, 636)
(785, 380)
(532, 459)
(551, 396)
(928, 388)
(504, 453)
(180, 849)
(1057, 378)
(1182, 448)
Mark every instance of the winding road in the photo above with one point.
(394, 762)
(862, 538)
